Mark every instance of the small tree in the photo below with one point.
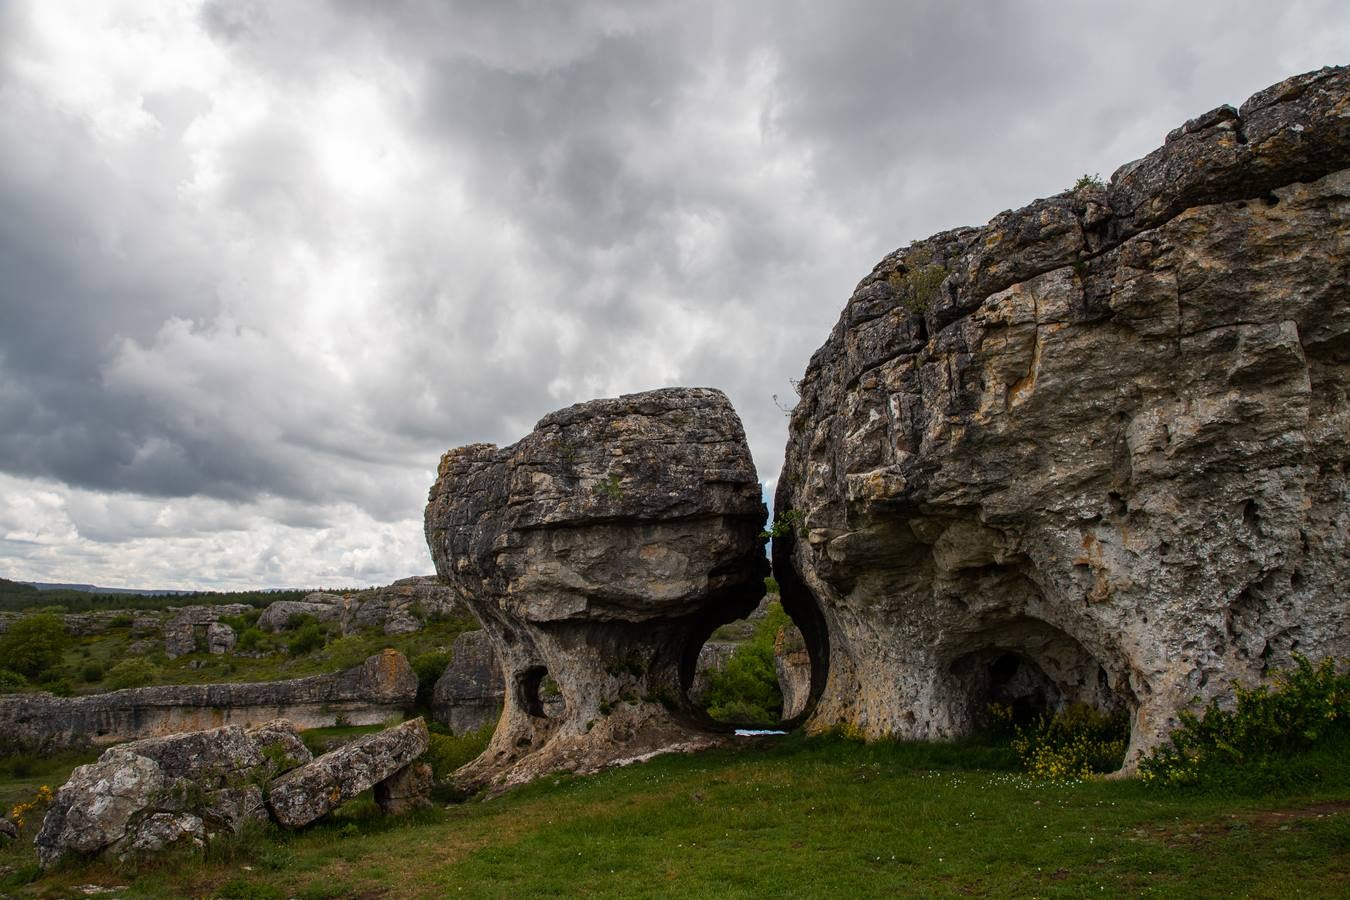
(34, 644)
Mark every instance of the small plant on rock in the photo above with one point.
(1087, 182)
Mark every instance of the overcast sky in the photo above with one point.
(262, 262)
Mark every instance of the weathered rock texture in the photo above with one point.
(144, 796)
(470, 692)
(310, 791)
(194, 627)
(399, 608)
(792, 664)
(600, 552)
(363, 695)
(1094, 450)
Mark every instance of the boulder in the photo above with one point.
(599, 552)
(406, 790)
(308, 792)
(220, 638)
(147, 795)
(8, 831)
(190, 627)
(1093, 451)
(278, 614)
(470, 692)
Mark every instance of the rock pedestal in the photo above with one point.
(1094, 451)
(599, 553)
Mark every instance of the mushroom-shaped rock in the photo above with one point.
(600, 552)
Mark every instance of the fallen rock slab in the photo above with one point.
(313, 790)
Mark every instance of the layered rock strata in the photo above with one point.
(1093, 451)
(368, 694)
(599, 552)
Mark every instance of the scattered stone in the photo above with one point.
(8, 830)
(1093, 451)
(306, 793)
(406, 790)
(599, 552)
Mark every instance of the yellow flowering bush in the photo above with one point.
(1301, 709)
(31, 810)
(1076, 743)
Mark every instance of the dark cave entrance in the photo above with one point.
(1015, 682)
(1029, 669)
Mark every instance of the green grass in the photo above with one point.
(787, 817)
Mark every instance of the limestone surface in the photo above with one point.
(600, 552)
(308, 792)
(1094, 450)
(470, 692)
(147, 795)
(367, 694)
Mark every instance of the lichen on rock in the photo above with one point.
(600, 552)
(1105, 460)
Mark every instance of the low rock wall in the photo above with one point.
(367, 694)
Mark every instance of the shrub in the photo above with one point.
(345, 652)
(250, 639)
(307, 638)
(91, 672)
(770, 584)
(1076, 743)
(129, 673)
(746, 691)
(1250, 745)
(428, 667)
(300, 620)
(447, 752)
(1085, 182)
(12, 681)
(33, 645)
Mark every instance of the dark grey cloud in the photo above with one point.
(267, 279)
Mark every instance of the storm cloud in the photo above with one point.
(261, 263)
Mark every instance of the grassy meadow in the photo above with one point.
(785, 817)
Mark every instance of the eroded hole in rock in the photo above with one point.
(539, 694)
(754, 672)
(1251, 517)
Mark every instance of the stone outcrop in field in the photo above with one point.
(599, 552)
(187, 789)
(148, 795)
(383, 686)
(399, 608)
(1094, 450)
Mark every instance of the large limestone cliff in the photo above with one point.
(1093, 451)
(600, 552)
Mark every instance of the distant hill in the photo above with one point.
(94, 589)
